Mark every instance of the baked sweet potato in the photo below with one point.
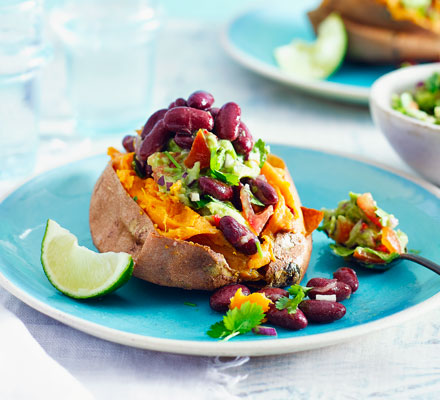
(117, 223)
(381, 31)
(232, 214)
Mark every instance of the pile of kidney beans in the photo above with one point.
(343, 284)
(181, 120)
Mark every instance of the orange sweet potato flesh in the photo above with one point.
(172, 245)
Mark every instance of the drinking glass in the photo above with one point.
(22, 53)
(109, 47)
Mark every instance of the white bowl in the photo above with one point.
(416, 142)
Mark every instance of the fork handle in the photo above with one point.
(422, 261)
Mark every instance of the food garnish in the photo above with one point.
(77, 271)
(238, 321)
(363, 230)
(288, 309)
(317, 60)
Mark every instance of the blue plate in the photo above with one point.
(144, 315)
(252, 37)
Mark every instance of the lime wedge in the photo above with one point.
(77, 271)
(319, 59)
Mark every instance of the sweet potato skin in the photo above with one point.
(117, 223)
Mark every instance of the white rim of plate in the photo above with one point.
(250, 348)
(348, 93)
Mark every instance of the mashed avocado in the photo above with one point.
(359, 226)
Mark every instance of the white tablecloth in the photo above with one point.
(396, 363)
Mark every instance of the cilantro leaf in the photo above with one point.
(231, 179)
(237, 321)
(295, 289)
(291, 303)
(216, 163)
(204, 200)
(218, 330)
(243, 319)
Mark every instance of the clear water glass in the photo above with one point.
(110, 47)
(22, 53)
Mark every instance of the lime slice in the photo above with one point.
(77, 271)
(319, 59)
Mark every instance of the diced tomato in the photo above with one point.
(368, 258)
(364, 226)
(366, 203)
(381, 248)
(256, 221)
(342, 231)
(216, 219)
(199, 152)
(390, 240)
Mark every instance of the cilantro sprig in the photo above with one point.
(297, 294)
(237, 321)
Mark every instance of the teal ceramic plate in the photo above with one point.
(251, 38)
(148, 316)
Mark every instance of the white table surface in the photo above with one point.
(401, 362)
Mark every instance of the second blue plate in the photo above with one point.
(252, 37)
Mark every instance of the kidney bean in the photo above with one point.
(319, 282)
(149, 125)
(348, 276)
(214, 111)
(263, 191)
(274, 293)
(128, 143)
(154, 141)
(340, 289)
(220, 299)
(322, 311)
(187, 119)
(201, 100)
(184, 140)
(227, 121)
(244, 142)
(238, 235)
(282, 318)
(236, 201)
(215, 188)
(178, 103)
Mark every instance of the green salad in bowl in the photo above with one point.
(422, 102)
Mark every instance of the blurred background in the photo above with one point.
(84, 73)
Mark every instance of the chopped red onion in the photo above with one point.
(185, 174)
(169, 184)
(161, 181)
(264, 330)
(326, 297)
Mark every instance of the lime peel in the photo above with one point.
(77, 271)
(319, 59)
